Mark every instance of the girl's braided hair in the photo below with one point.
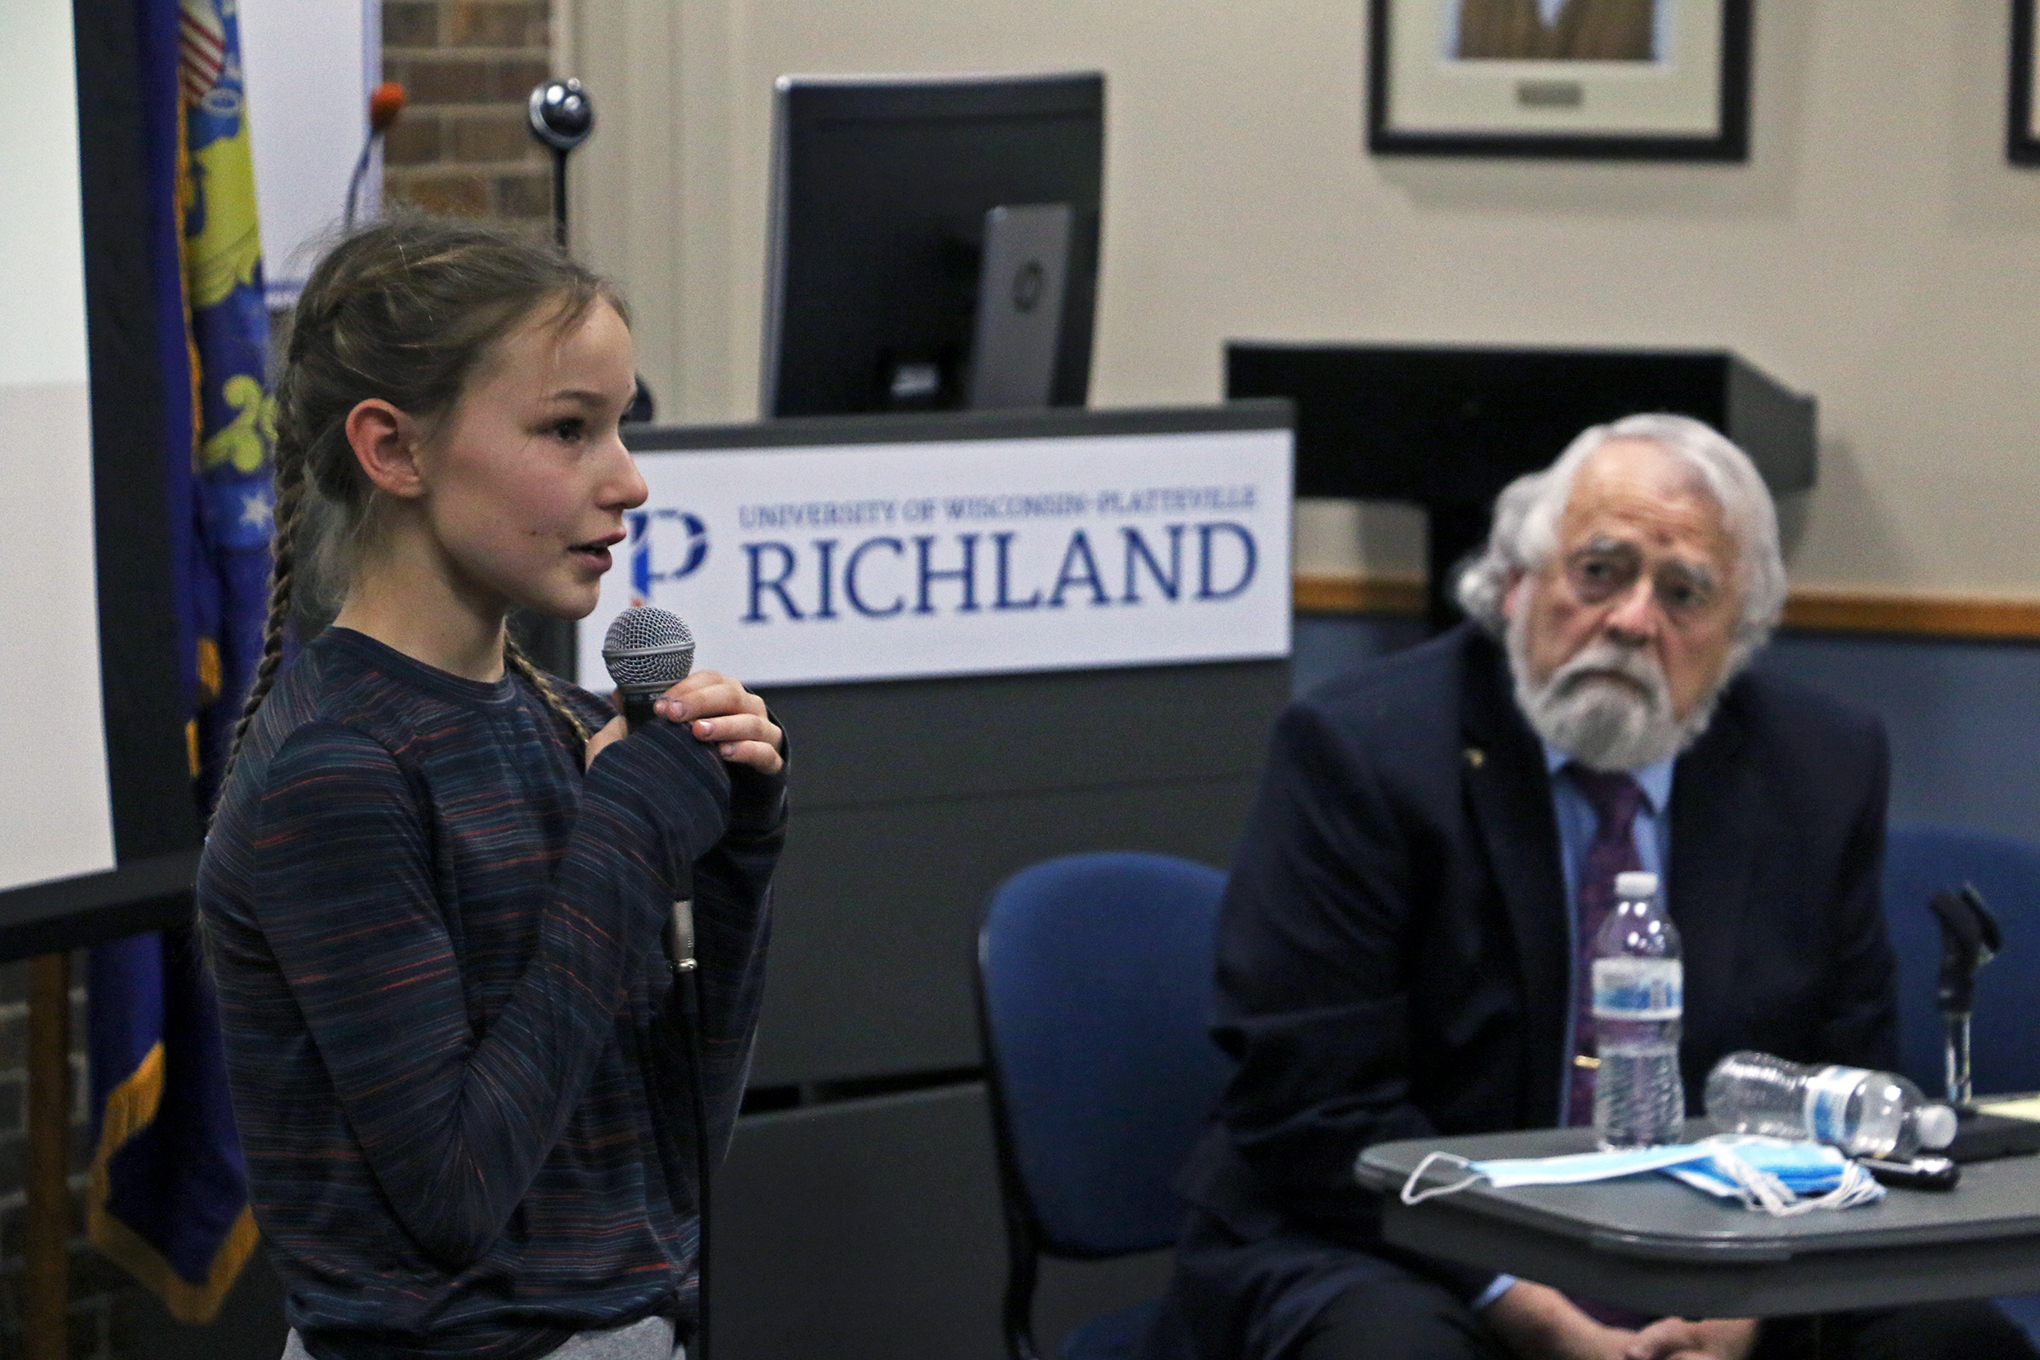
(404, 310)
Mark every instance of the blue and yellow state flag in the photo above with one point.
(168, 1197)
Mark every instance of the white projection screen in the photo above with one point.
(98, 834)
(56, 816)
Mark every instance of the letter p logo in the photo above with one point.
(688, 543)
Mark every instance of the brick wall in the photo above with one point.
(467, 68)
(104, 1299)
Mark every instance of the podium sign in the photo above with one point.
(818, 563)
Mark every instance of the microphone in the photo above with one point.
(383, 108)
(384, 105)
(1970, 938)
(561, 117)
(647, 651)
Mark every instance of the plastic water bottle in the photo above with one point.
(1639, 994)
(1864, 1113)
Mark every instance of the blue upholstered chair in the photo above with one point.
(1094, 991)
(1919, 861)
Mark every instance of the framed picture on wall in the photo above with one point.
(2022, 133)
(1634, 79)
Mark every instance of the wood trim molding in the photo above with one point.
(1326, 594)
(1976, 617)
(1965, 617)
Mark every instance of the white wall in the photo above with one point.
(56, 816)
(1876, 250)
(310, 65)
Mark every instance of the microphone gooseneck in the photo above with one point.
(384, 107)
(647, 651)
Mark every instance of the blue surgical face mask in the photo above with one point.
(1764, 1173)
(1779, 1177)
(1580, 1167)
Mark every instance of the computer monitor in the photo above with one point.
(933, 242)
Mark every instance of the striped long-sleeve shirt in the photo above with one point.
(457, 1053)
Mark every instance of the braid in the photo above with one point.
(290, 495)
(516, 660)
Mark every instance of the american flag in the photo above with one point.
(201, 48)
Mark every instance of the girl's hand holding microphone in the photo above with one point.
(717, 708)
(720, 712)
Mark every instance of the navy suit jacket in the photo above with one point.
(1392, 949)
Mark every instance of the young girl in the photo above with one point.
(457, 1053)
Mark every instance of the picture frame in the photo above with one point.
(1582, 79)
(2022, 122)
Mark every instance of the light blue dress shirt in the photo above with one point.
(1577, 823)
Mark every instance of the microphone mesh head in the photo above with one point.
(647, 650)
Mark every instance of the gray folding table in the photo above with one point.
(1655, 1245)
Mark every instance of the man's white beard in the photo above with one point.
(1603, 723)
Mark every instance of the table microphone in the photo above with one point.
(648, 651)
(1970, 938)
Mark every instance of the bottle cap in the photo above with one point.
(1636, 883)
(1936, 1126)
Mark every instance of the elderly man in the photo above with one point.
(1399, 952)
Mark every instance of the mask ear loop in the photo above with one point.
(1412, 1195)
(1858, 1187)
(1761, 1190)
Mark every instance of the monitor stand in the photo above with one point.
(1021, 281)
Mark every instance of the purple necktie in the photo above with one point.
(1615, 799)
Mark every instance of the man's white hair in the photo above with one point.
(1525, 532)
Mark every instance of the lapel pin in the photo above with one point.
(1476, 757)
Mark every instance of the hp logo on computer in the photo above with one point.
(1028, 285)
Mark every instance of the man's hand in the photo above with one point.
(1538, 1323)
(721, 712)
(1678, 1339)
